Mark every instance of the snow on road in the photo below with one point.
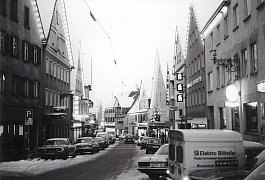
(38, 166)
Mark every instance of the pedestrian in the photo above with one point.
(162, 138)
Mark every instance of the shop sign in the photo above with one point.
(195, 81)
(215, 157)
(29, 117)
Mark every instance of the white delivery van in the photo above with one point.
(191, 150)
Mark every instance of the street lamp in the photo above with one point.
(232, 65)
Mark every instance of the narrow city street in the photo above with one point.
(118, 163)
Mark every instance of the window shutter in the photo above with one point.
(31, 88)
(23, 50)
(11, 45)
(21, 82)
(18, 48)
(6, 44)
(38, 55)
(39, 89)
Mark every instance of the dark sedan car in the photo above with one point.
(152, 145)
(129, 139)
(57, 148)
(86, 144)
(101, 142)
(143, 143)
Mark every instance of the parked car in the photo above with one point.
(112, 138)
(129, 139)
(105, 136)
(121, 137)
(86, 144)
(144, 141)
(152, 145)
(101, 142)
(57, 148)
(258, 173)
(155, 165)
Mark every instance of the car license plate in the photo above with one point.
(155, 146)
(156, 165)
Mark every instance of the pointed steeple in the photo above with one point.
(158, 97)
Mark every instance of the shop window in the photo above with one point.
(1, 130)
(244, 55)
(251, 117)
(222, 113)
(235, 118)
(2, 83)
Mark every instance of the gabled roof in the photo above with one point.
(47, 12)
(46, 9)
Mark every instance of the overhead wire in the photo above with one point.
(111, 46)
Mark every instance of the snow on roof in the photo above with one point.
(126, 99)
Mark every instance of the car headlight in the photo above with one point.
(167, 171)
(186, 178)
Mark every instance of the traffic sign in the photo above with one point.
(29, 117)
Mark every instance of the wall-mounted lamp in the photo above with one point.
(232, 65)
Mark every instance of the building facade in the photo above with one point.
(195, 89)
(109, 120)
(235, 34)
(57, 56)
(177, 85)
(21, 36)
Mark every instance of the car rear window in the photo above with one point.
(84, 141)
(55, 142)
(163, 150)
(155, 141)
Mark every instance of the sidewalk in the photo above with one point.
(33, 167)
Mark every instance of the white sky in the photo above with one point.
(136, 29)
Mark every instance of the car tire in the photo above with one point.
(66, 156)
(153, 176)
(74, 155)
(146, 152)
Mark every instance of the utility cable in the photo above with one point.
(111, 46)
